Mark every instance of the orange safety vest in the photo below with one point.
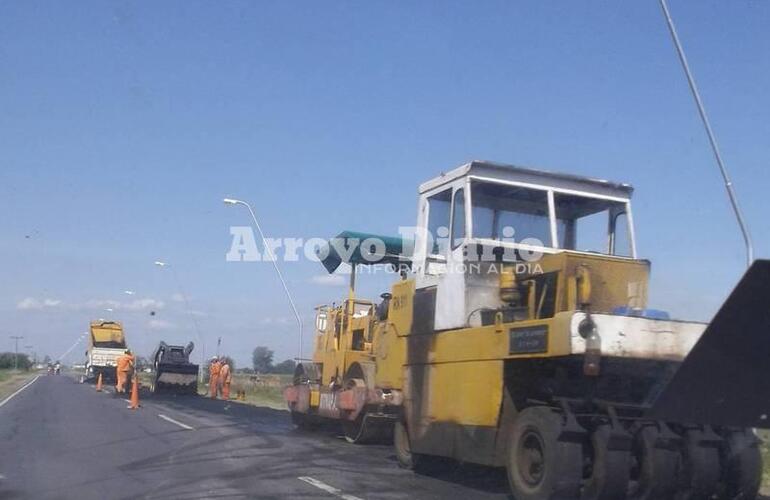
(225, 374)
(215, 368)
(124, 363)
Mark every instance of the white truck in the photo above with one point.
(106, 343)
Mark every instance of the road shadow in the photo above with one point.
(477, 477)
(264, 421)
(485, 480)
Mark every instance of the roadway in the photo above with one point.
(61, 440)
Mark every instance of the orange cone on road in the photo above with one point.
(134, 393)
(99, 383)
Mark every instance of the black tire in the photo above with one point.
(700, 470)
(653, 476)
(403, 448)
(742, 465)
(610, 468)
(540, 465)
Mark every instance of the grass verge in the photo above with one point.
(11, 380)
(260, 390)
(765, 436)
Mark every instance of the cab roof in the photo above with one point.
(541, 178)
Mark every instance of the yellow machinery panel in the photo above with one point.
(315, 398)
(389, 345)
(493, 342)
(467, 393)
(614, 282)
(401, 306)
(107, 333)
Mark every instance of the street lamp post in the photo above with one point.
(712, 138)
(16, 338)
(271, 256)
(189, 312)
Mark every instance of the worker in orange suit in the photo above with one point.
(125, 363)
(214, 368)
(226, 378)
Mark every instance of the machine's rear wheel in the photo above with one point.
(356, 430)
(609, 471)
(700, 471)
(540, 466)
(406, 459)
(742, 462)
(653, 473)
(302, 421)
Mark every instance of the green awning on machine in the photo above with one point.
(352, 247)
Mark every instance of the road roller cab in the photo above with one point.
(520, 336)
(532, 347)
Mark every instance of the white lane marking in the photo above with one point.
(2, 403)
(328, 489)
(180, 424)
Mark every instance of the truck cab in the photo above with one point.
(106, 344)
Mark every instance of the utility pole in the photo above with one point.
(712, 139)
(16, 338)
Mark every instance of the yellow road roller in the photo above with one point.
(521, 338)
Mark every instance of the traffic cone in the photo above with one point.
(99, 383)
(134, 393)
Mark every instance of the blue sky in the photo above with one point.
(124, 124)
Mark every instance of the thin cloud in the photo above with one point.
(143, 305)
(115, 305)
(279, 320)
(33, 304)
(160, 324)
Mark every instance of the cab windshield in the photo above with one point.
(517, 213)
(504, 211)
(592, 225)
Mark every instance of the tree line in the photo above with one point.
(262, 362)
(8, 361)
